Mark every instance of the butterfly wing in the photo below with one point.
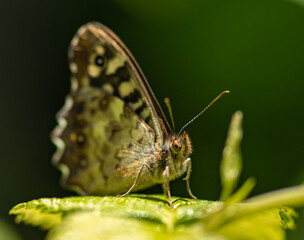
(111, 120)
(119, 74)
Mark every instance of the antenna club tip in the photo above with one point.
(227, 91)
(166, 100)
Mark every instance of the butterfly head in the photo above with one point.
(180, 145)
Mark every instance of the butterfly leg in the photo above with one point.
(187, 178)
(166, 185)
(136, 180)
(164, 189)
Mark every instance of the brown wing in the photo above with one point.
(101, 143)
(111, 121)
(118, 73)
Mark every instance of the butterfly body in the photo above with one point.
(112, 135)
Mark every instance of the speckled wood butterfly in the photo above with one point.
(112, 136)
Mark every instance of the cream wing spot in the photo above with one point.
(107, 87)
(74, 84)
(115, 63)
(100, 50)
(73, 67)
(137, 104)
(145, 113)
(125, 89)
(93, 70)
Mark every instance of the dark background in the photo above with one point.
(189, 51)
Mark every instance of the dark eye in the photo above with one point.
(176, 146)
(99, 61)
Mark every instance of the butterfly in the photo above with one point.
(112, 136)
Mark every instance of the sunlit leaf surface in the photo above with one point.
(142, 217)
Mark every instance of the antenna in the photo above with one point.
(167, 102)
(224, 92)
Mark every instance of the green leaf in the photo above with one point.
(131, 216)
(47, 213)
(231, 164)
(144, 217)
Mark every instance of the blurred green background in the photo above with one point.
(189, 51)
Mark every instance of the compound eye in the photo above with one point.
(176, 146)
(99, 61)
